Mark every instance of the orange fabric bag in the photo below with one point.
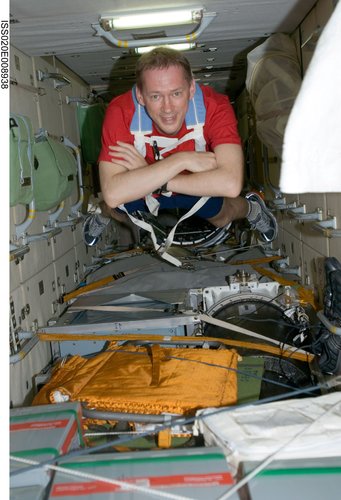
(151, 379)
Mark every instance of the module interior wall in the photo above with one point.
(316, 245)
(38, 279)
(22, 374)
(299, 240)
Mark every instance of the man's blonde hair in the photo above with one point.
(160, 58)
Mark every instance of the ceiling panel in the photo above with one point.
(63, 28)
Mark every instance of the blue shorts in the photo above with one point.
(211, 208)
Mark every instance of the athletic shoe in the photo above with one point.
(93, 227)
(261, 219)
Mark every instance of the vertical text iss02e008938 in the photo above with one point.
(4, 54)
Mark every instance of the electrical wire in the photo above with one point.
(181, 420)
(178, 421)
(272, 320)
(213, 365)
(273, 455)
(124, 485)
(242, 319)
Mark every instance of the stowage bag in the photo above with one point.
(21, 141)
(55, 170)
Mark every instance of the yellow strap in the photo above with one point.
(306, 296)
(274, 276)
(95, 285)
(92, 286)
(164, 438)
(154, 352)
(261, 260)
(128, 253)
(229, 342)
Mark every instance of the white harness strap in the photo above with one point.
(163, 248)
(168, 143)
(141, 125)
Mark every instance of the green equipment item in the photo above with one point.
(55, 172)
(21, 141)
(90, 119)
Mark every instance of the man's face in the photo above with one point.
(165, 95)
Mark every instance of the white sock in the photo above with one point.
(254, 211)
(104, 219)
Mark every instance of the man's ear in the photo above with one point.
(139, 96)
(192, 89)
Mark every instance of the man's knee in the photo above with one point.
(232, 209)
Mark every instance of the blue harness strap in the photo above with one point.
(196, 112)
(141, 121)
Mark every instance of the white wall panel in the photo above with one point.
(308, 27)
(62, 242)
(334, 209)
(49, 106)
(66, 272)
(37, 259)
(313, 271)
(17, 309)
(70, 126)
(311, 28)
(292, 249)
(311, 237)
(24, 102)
(14, 275)
(21, 67)
(66, 276)
(76, 89)
(40, 292)
(290, 225)
(278, 243)
(77, 233)
(50, 103)
(324, 9)
(84, 256)
(22, 374)
(17, 216)
(79, 89)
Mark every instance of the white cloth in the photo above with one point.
(255, 432)
(311, 159)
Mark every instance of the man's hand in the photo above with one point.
(127, 156)
(195, 162)
(214, 174)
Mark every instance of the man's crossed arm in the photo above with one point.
(128, 177)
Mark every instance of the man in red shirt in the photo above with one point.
(186, 160)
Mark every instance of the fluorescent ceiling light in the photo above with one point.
(154, 19)
(177, 46)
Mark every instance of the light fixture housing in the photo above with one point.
(176, 46)
(148, 19)
(105, 28)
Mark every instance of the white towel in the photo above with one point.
(311, 159)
